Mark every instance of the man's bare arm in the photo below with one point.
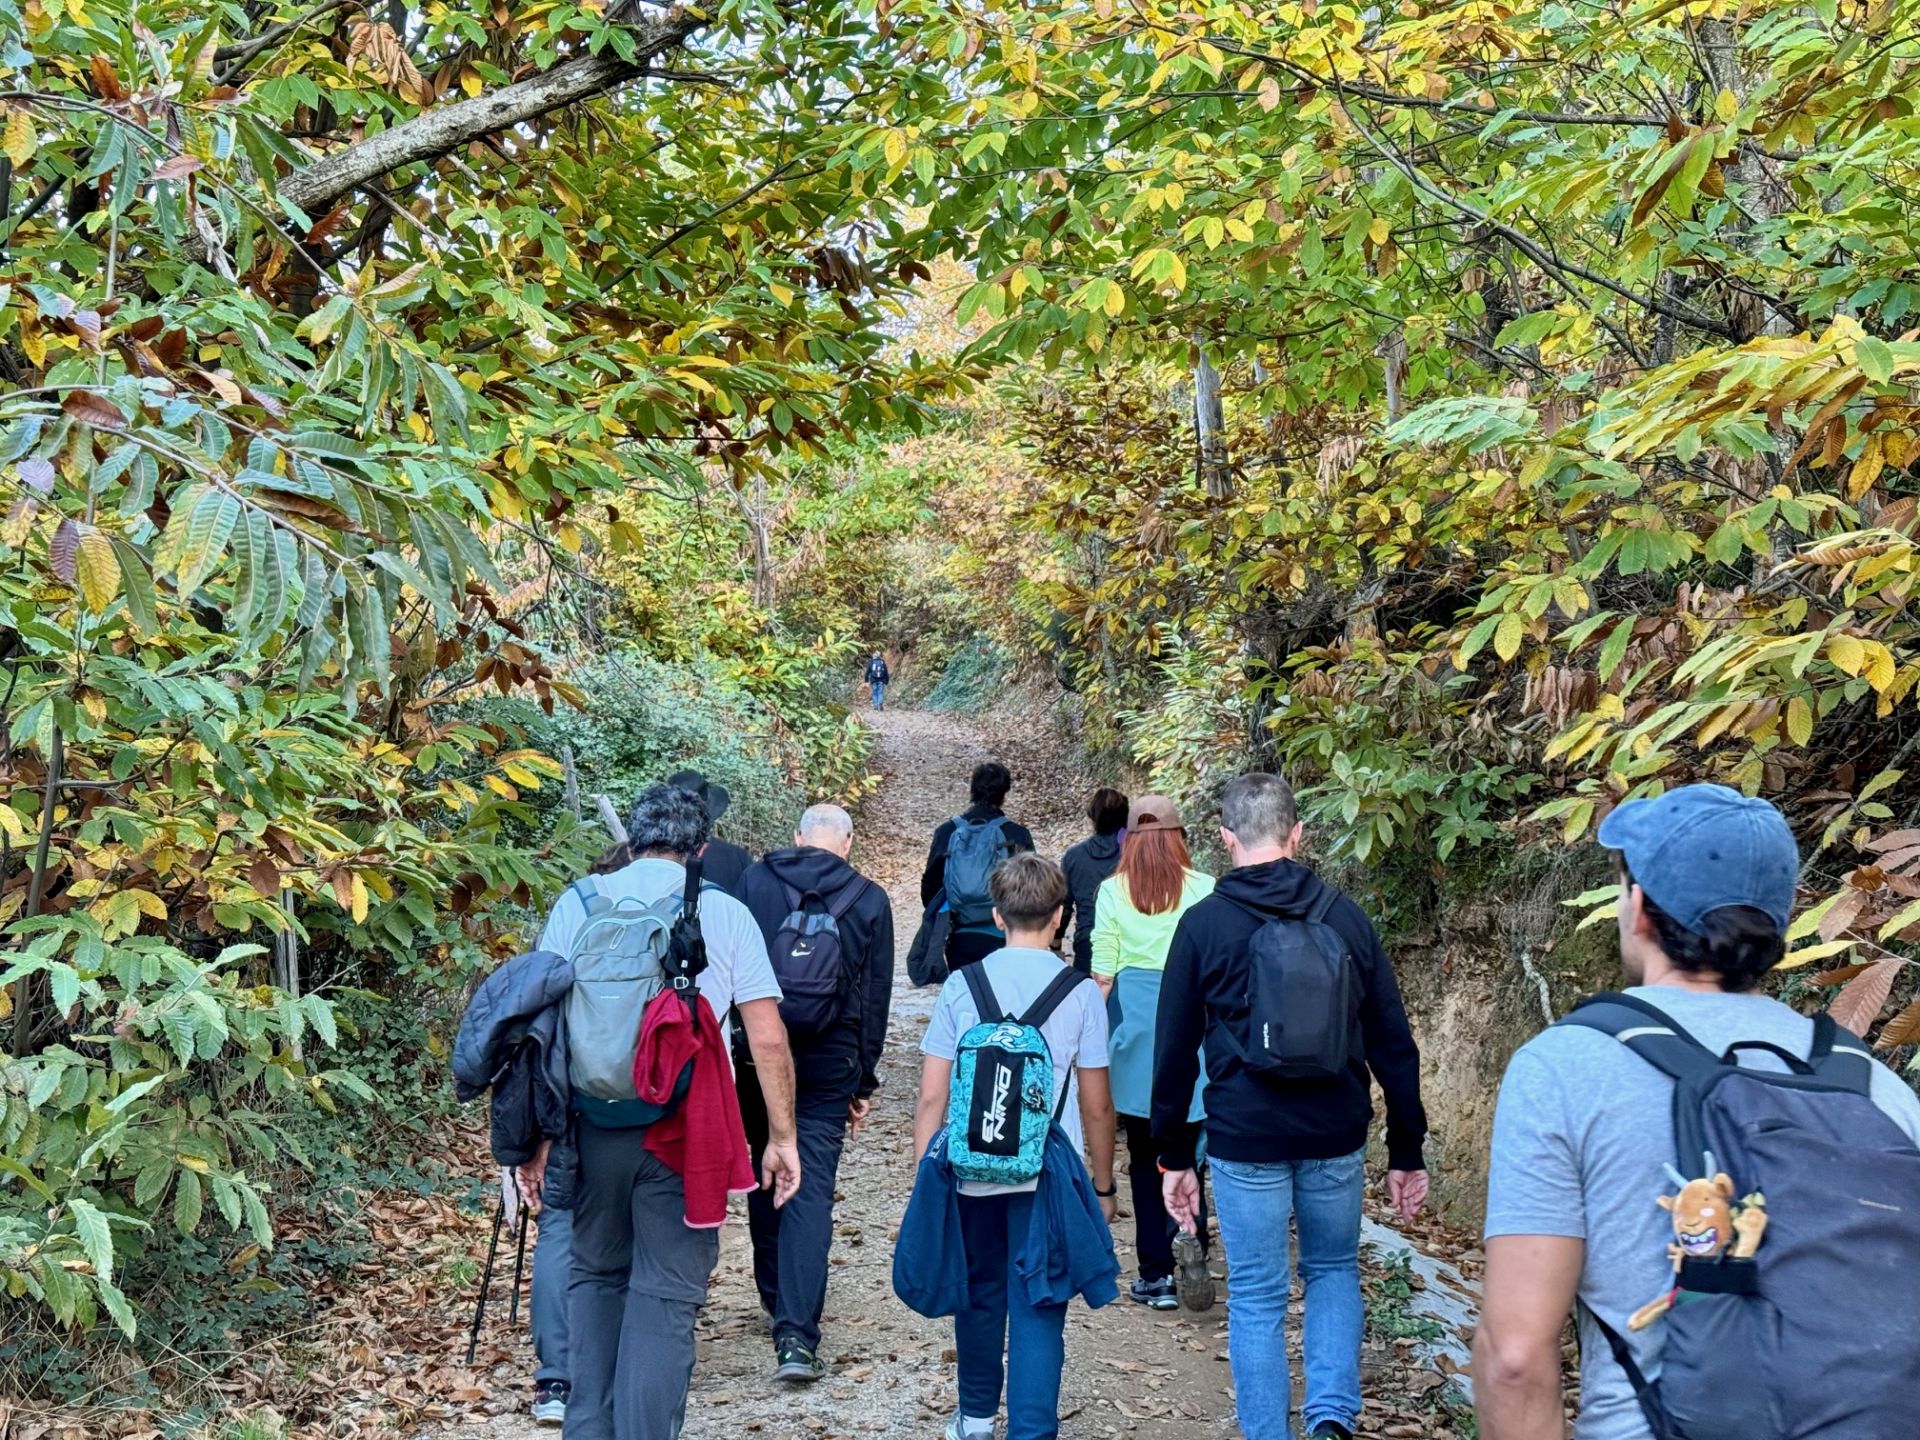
(1530, 1288)
(930, 1111)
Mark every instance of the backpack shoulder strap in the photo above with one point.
(795, 900)
(1061, 986)
(1648, 1032)
(844, 899)
(1322, 906)
(1840, 1057)
(983, 997)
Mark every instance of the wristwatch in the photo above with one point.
(1109, 1193)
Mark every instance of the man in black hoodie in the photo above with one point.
(1282, 1147)
(796, 895)
(984, 821)
(1086, 865)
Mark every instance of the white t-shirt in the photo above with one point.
(1076, 1032)
(738, 969)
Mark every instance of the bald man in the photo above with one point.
(830, 933)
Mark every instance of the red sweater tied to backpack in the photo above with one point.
(702, 1141)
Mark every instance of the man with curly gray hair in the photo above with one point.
(639, 1272)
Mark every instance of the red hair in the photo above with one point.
(1154, 864)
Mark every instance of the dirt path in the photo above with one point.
(1129, 1371)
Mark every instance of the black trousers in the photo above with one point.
(791, 1245)
(1154, 1228)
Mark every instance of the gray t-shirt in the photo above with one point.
(1582, 1133)
(738, 969)
(1076, 1032)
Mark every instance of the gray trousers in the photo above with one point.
(639, 1277)
(552, 1269)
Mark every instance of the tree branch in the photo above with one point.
(445, 128)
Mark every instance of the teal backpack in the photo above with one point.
(974, 849)
(624, 955)
(1000, 1108)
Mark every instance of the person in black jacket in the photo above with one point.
(988, 792)
(1086, 865)
(722, 862)
(836, 1072)
(1281, 1147)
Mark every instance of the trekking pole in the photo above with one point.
(486, 1281)
(519, 1268)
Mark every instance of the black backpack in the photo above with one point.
(810, 960)
(1818, 1334)
(1303, 995)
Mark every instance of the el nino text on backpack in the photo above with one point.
(1001, 1107)
(974, 849)
(1793, 1315)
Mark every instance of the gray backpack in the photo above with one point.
(621, 960)
(1818, 1334)
(974, 850)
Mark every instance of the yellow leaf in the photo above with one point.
(1116, 298)
(359, 893)
(1846, 653)
(1177, 275)
(1814, 952)
(501, 788)
(21, 141)
(896, 147)
(1507, 636)
(521, 776)
(1726, 105)
(1379, 230)
(1867, 468)
(1880, 666)
(97, 569)
(471, 80)
(148, 903)
(780, 292)
(1799, 720)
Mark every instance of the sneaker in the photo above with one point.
(794, 1361)
(964, 1428)
(1154, 1294)
(1330, 1430)
(1193, 1282)
(550, 1402)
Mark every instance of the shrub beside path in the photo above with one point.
(1129, 1371)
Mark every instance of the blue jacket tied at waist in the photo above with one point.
(1066, 1251)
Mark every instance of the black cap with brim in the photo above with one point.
(716, 797)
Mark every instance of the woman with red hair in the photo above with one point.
(1134, 920)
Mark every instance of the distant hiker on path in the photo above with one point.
(722, 862)
(1284, 979)
(1803, 1125)
(829, 932)
(878, 678)
(640, 1260)
(1004, 1228)
(965, 851)
(1139, 910)
(1087, 864)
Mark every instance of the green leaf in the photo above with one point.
(188, 1202)
(1508, 634)
(136, 589)
(115, 1303)
(1874, 359)
(95, 1235)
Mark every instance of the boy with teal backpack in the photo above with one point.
(1006, 1225)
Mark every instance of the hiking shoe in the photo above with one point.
(1154, 1294)
(1193, 1281)
(1330, 1430)
(794, 1361)
(550, 1402)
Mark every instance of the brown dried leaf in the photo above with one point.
(90, 408)
(1859, 1005)
(1834, 923)
(1903, 1029)
(64, 551)
(1842, 973)
(105, 82)
(177, 167)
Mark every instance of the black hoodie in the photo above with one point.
(1086, 865)
(1252, 1118)
(848, 1054)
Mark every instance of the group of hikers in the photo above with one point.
(694, 1024)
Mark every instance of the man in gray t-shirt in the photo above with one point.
(1584, 1127)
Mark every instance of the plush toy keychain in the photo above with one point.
(1707, 1223)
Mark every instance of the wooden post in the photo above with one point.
(23, 989)
(1210, 425)
(573, 780)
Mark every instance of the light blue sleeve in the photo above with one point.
(942, 1040)
(1091, 1053)
(563, 923)
(1897, 1098)
(734, 935)
(1533, 1182)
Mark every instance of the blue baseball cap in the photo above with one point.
(1702, 847)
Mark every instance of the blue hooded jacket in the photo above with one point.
(513, 1042)
(1067, 1250)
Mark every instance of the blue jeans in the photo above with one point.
(879, 694)
(552, 1273)
(1252, 1204)
(998, 1323)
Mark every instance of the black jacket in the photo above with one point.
(1251, 1118)
(722, 863)
(848, 1054)
(935, 877)
(1086, 865)
(513, 1042)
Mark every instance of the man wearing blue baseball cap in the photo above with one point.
(1584, 1134)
